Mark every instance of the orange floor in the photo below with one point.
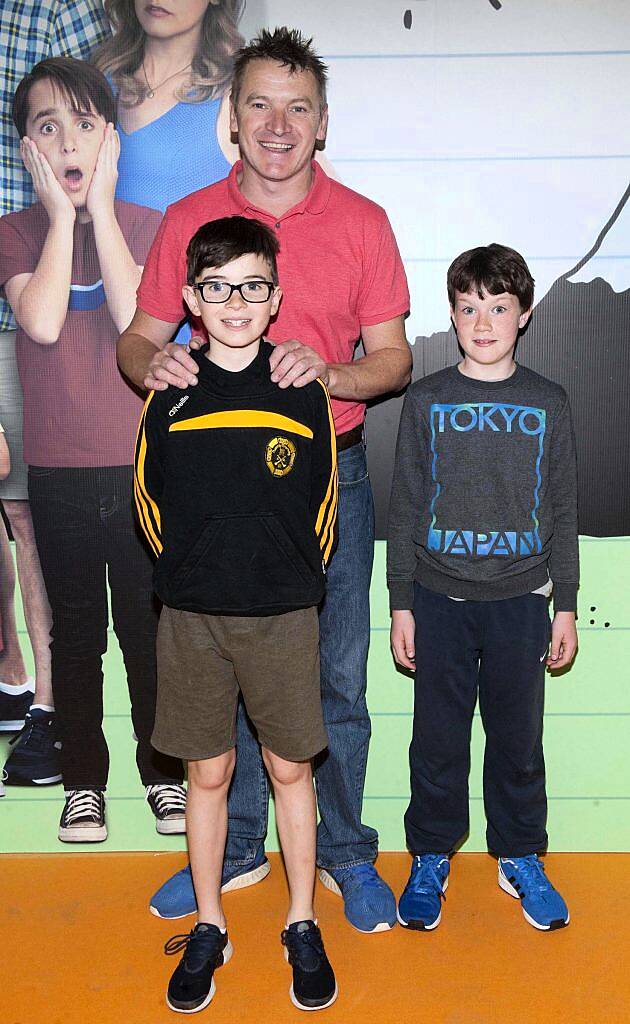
(78, 945)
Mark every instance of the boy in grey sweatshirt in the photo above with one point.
(482, 529)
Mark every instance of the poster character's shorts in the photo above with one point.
(205, 661)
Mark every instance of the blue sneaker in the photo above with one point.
(34, 760)
(369, 903)
(525, 879)
(176, 898)
(420, 906)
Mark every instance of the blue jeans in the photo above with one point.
(344, 623)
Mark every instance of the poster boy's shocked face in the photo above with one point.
(235, 318)
(68, 137)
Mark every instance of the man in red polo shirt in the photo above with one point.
(342, 279)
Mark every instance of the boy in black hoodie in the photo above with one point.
(236, 490)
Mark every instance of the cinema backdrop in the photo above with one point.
(473, 121)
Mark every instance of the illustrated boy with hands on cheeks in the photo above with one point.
(70, 266)
(71, 150)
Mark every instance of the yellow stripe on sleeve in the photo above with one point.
(324, 524)
(148, 510)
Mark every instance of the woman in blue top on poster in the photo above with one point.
(170, 64)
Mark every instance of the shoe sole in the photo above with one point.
(310, 1009)
(239, 882)
(420, 926)
(83, 834)
(328, 881)
(511, 891)
(303, 1006)
(227, 956)
(170, 826)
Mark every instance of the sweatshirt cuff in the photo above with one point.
(400, 595)
(565, 597)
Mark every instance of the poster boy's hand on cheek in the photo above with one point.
(50, 193)
(100, 196)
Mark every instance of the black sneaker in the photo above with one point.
(192, 986)
(34, 760)
(83, 817)
(167, 800)
(13, 706)
(314, 986)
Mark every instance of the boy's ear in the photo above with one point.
(524, 317)
(190, 298)
(276, 299)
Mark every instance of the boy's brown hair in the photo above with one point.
(491, 269)
(81, 84)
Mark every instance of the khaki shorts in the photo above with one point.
(205, 661)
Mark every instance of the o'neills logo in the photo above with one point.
(280, 456)
(178, 405)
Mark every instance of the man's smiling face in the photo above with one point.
(278, 120)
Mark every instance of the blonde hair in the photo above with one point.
(211, 71)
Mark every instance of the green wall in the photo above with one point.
(587, 733)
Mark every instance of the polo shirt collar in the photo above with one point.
(315, 202)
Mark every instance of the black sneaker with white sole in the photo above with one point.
(192, 985)
(14, 703)
(83, 817)
(314, 986)
(167, 800)
(35, 758)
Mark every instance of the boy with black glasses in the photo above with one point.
(236, 490)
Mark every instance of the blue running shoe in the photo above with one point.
(176, 898)
(525, 879)
(34, 760)
(369, 903)
(420, 906)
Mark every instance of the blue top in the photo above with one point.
(169, 158)
(172, 156)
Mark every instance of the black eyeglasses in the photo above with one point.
(222, 291)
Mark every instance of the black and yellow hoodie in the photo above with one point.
(236, 490)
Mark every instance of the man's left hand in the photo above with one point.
(293, 363)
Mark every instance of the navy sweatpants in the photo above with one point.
(497, 649)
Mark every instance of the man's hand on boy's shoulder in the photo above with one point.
(100, 196)
(172, 365)
(564, 640)
(403, 638)
(293, 363)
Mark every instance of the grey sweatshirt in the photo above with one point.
(484, 494)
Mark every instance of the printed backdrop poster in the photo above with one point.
(469, 121)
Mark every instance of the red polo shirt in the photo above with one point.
(339, 267)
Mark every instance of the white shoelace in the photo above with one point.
(169, 799)
(82, 803)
